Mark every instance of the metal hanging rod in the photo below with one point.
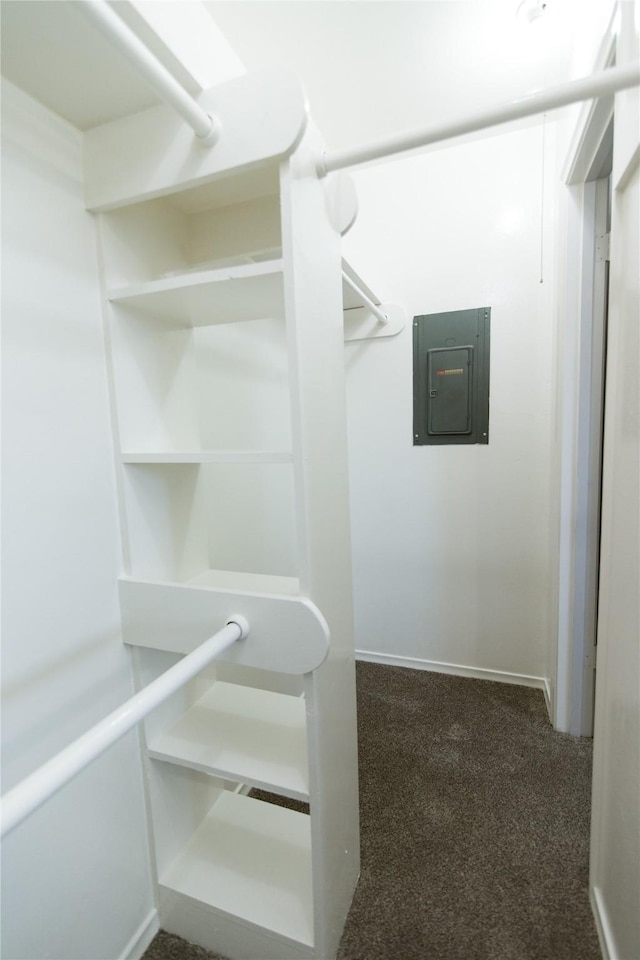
(600, 84)
(365, 300)
(37, 788)
(206, 128)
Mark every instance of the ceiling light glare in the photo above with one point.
(530, 10)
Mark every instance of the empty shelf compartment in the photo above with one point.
(226, 295)
(242, 734)
(251, 861)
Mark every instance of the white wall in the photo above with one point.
(450, 544)
(76, 878)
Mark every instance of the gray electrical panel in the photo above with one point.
(451, 377)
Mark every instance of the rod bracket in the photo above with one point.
(211, 138)
(241, 622)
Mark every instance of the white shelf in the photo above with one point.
(223, 294)
(209, 456)
(242, 734)
(234, 581)
(230, 581)
(251, 861)
(207, 297)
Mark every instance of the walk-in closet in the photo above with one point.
(319, 353)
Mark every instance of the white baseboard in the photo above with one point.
(603, 925)
(454, 669)
(142, 937)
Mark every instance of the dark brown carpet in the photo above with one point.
(475, 827)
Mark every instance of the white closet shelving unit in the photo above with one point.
(223, 302)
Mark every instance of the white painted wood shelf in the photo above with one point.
(225, 293)
(243, 734)
(251, 861)
(207, 456)
(232, 581)
(288, 634)
(238, 581)
(203, 298)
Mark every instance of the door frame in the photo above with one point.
(582, 317)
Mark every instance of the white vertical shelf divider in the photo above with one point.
(313, 297)
(186, 321)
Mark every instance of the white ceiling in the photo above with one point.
(376, 67)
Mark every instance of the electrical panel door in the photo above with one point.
(449, 381)
(451, 377)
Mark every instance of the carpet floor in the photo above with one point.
(475, 826)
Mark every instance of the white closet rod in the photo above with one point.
(365, 300)
(587, 88)
(37, 788)
(155, 73)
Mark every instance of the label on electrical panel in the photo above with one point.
(449, 373)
